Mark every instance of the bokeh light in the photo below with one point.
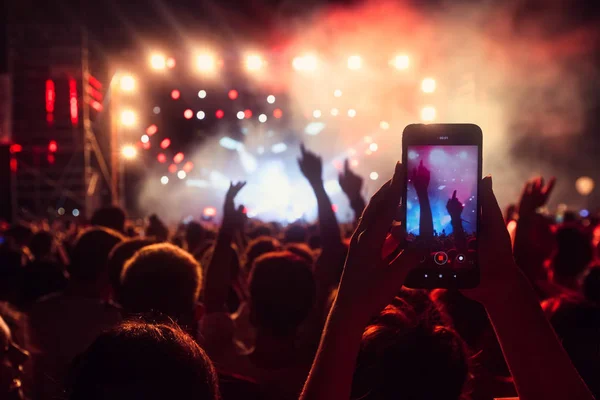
(307, 63)
(373, 147)
(233, 94)
(219, 114)
(181, 174)
(354, 62)
(352, 113)
(384, 125)
(161, 158)
(401, 61)
(200, 115)
(262, 118)
(335, 112)
(428, 114)
(188, 114)
(428, 85)
(166, 142)
(254, 62)
(374, 176)
(317, 114)
(144, 139)
(248, 113)
(151, 130)
(164, 179)
(584, 185)
(240, 115)
(270, 99)
(277, 113)
(175, 94)
(202, 94)
(206, 63)
(171, 63)
(129, 152)
(128, 118)
(177, 158)
(127, 83)
(158, 61)
(337, 93)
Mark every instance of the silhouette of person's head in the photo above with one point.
(90, 255)
(157, 229)
(295, 233)
(111, 217)
(591, 284)
(259, 246)
(573, 254)
(404, 355)
(195, 233)
(282, 292)
(143, 361)
(119, 255)
(164, 279)
(41, 244)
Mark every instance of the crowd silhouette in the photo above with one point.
(255, 310)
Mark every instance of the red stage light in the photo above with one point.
(171, 63)
(210, 211)
(188, 114)
(13, 165)
(151, 130)
(166, 142)
(233, 94)
(161, 158)
(49, 118)
(74, 107)
(175, 94)
(334, 207)
(146, 145)
(247, 113)
(15, 148)
(50, 96)
(277, 113)
(188, 166)
(220, 114)
(178, 158)
(52, 146)
(172, 168)
(51, 159)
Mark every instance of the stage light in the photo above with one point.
(354, 62)
(161, 158)
(248, 113)
(166, 142)
(219, 114)
(129, 152)
(373, 147)
(164, 179)
(314, 128)
(317, 114)
(206, 63)
(177, 158)
(61, 211)
(171, 63)
(151, 130)
(52, 146)
(374, 176)
(240, 115)
(145, 139)
(428, 85)
(172, 168)
(278, 148)
(188, 166)
(146, 146)
(351, 152)
(181, 174)
(158, 61)
(428, 114)
(202, 94)
(584, 185)
(200, 115)
(188, 114)
(233, 94)
(156, 110)
(401, 62)
(337, 93)
(384, 125)
(307, 62)
(354, 163)
(175, 94)
(277, 113)
(270, 99)
(210, 212)
(128, 118)
(254, 62)
(127, 83)
(262, 118)
(335, 112)
(368, 139)
(75, 212)
(229, 143)
(584, 213)
(352, 113)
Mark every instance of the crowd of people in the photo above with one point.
(254, 310)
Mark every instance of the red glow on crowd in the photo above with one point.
(166, 142)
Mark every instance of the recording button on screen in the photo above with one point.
(440, 258)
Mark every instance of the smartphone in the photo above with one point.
(440, 203)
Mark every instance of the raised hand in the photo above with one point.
(370, 281)
(350, 182)
(420, 178)
(535, 195)
(454, 207)
(311, 166)
(232, 216)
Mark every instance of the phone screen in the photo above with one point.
(441, 212)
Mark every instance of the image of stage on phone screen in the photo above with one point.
(441, 204)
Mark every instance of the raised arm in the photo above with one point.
(420, 180)
(455, 209)
(540, 367)
(351, 184)
(218, 275)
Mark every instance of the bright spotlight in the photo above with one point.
(352, 113)
(307, 62)
(202, 94)
(240, 115)
(128, 118)
(254, 62)
(181, 174)
(127, 83)
(428, 114)
(401, 62)
(164, 179)
(278, 148)
(373, 147)
(317, 114)
(145, 139)
(384, 125)
(584, 185)
(188, 114)
(354, 62)
(428, 85)
(129, 152)
(200, 115)
(206, 63)
(158, 61)
(337, 93)
(171, 63)
(270, 99)
(374, 176)
(230, 144)
(262, 118)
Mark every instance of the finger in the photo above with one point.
(454, 195)
(385, 214)
(492, 221)
(548, 189)
(302, 149)
(346, 166)
(369, 213)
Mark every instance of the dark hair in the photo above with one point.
(41, 244)
(302, 250)
(143, 361)
(282, 292)
(119, 255)
(90, 253)
(573, 254)
(259, 246)
(161, 278)
(295, 233)
(157, 229)
(112, 217)
(406, 356)
(195, 233)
